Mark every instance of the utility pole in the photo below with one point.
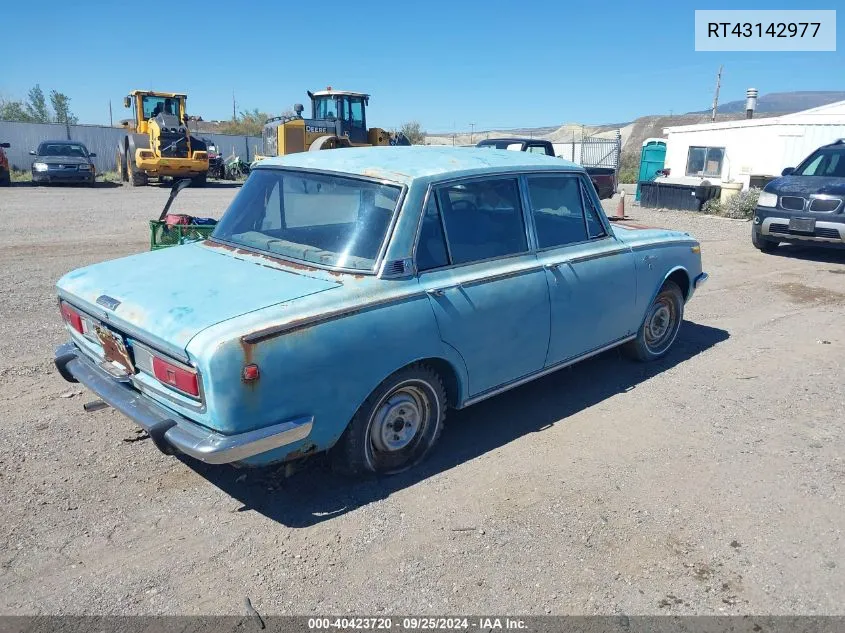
(472, 132)
(111, 122)
(716, 96)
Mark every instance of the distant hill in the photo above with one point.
(635, 132)
(783, 102)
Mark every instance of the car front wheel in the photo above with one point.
(396, 426)
(661, 324)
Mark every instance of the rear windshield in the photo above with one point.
(62, 149)
(829, 161)
(329, 220)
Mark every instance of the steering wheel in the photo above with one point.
(465, 205)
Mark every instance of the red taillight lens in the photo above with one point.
(176, 377)
(72, 317)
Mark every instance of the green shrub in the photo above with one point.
(742, 205)
(739, 206)
(628, 175)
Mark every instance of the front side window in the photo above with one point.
(537, 149)
(483, 219)
(332, 220)
(325, 108)
(153, 106)
(705, 161)
(357, 109)
(558, 211)
(829, 161)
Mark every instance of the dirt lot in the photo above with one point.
(710, 482)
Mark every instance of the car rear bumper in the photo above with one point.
(171, 432)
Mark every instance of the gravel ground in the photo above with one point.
(709, 482)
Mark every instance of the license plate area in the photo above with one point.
(115, 349)
(802, 225)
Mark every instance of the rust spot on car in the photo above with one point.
(305, 451)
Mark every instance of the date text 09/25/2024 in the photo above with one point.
(415, 623)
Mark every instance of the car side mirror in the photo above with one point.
(5, 145)
(787, 171)
(91, 155)
(32, 152)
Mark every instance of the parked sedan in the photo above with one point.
(63, 161)
(347, 298)
(806, 205)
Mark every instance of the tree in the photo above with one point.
(36, 106)
(414, 132)
(13, 111)
(249, 123)
(61, 107)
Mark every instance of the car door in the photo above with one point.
(487, 290)
(591, 275)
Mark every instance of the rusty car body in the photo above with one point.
(348, 297)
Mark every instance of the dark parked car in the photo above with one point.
(806, 205)
(63, 161)
(5, 173)
(603, 178)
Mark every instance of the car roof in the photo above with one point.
(404, 164)
(63, 142)
(513, 139)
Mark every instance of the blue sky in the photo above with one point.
(446, 64)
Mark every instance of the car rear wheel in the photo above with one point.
(660, 326)
(396, 426)
(761, 243)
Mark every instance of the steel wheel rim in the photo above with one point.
(398, 427)
(661, 324)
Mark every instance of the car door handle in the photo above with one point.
(438, 292)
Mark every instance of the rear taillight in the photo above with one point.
(72, 317)
(176, 377)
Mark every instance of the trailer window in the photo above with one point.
(705, 161)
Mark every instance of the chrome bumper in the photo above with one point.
(170, 432)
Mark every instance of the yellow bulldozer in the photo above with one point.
(158, 143)
(338, 119)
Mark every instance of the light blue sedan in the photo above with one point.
(349, 297)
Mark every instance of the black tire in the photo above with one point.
(199, 181)
(761, 243)
(660, 325)
(6, 179)
(136, 177)
(372, 443)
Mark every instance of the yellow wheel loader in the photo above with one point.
(338, 119)
(158, 143)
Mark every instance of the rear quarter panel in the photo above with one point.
(325, 370)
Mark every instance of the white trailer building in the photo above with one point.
(734, 151)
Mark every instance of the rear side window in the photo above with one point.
(483, 219)
(431, 247)
(557, 208)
